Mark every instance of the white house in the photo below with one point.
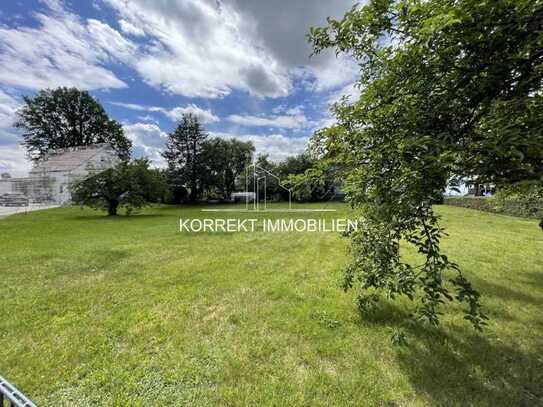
(50, 179)
(469, 187)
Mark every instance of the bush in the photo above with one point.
(521, 200)
(473, 202)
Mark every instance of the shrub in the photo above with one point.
(473, 202)
(523, 200)
(520, 200)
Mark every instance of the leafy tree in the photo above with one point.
(225, 162)
(306, 177)
(317, 183)
(264, 164)
(296, 164)
(67, 117)
(448, 89)
(129, 185)
(290, 167)
(184, 154)
(175, 192)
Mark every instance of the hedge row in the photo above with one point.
(523, 205)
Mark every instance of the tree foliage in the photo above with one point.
(202, 164)
(448, 89)
(225, 162)
(129, 185)
(184, 154)
(295, 164)
(289, 173)
(317, 183)
(67, 117)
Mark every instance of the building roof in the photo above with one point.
(68, 159)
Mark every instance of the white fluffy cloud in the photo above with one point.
(281, 27)
(205, 116)
(12, 155)
(289, 121)
(194, 48)
(207, 48)
(62, 51)
(148, 140)
(351, 91)
(277, 146)
(199, 48)
(110, 41)
(334, 73)
(13, 160)
(130, 29)
(284, 117)
(8, 106)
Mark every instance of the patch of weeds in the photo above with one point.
(325, 319)
(236, 319)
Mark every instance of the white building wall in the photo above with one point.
(60, 180)
(5, 186)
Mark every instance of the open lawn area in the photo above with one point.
(129, 311)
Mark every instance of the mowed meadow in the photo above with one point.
(128, 311)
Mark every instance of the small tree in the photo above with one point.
(129, 185)
(67, 117)
(184, 155)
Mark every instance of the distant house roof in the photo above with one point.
(68, 159)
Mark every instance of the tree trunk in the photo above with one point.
(112, 208)
(193, 193)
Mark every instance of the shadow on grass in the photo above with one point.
(458, 366)
(466, 368)
(534, 278)
(487, 289)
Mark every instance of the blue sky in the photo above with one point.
(242, 66)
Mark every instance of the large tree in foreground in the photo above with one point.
(67, 117)
(449, 89)
(129, 185)
(184, 154)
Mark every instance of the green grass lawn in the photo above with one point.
(128, 311)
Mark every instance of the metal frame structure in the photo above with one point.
(13, 395)
(256, 184)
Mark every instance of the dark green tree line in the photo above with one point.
(204, 164)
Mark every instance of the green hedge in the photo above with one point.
(524, 202)
(480, 203)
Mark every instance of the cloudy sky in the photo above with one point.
(242, 66)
